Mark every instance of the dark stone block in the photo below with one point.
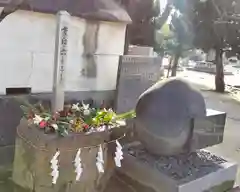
(209, 131)
(135, 75)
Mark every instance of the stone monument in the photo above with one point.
(135, 75)
(164, 116)
(169, 117)
(60, 60)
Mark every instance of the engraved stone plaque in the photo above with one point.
(135, 75)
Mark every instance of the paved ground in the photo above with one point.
(209, 78)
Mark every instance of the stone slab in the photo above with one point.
(135, 75)
(140, 50)
(209, 131)
(202, 173)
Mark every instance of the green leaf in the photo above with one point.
(107, 118)
(61, 130)
(128, 115)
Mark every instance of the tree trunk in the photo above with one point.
(170, 65)
(219, 77)
(175, 61)
(126, 45)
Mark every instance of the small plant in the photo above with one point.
(74, 118)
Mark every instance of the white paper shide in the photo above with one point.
(78, 165)
(100, 161)
(118, 154)
(54, 167)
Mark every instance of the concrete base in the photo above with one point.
(236, 189)
(153, 174)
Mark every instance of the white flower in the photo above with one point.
(85, 106)
(37, 119)
(121, 122)
(86, 112)
(101, 128)
(76, 107)
(55, 126)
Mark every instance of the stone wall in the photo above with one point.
(27, 53)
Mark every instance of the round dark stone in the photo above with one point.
(164, 116)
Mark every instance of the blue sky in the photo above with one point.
(163, 4)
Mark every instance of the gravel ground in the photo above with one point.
(184, 167)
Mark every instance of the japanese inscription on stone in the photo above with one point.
(63, 52)
(135, 75)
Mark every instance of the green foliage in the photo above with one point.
(166, 31)
(178, 36)
(213, 24)
(128, 115)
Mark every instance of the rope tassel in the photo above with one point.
(118, 154)
(78, 165)
(54, 167)
(100, 161)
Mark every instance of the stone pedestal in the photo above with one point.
(209, 131)
(200, 171)
(33, 153)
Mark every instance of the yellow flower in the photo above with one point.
(77, 125)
